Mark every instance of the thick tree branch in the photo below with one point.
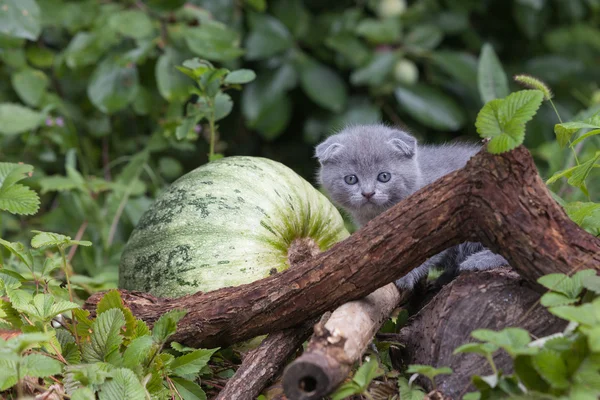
(498, 200)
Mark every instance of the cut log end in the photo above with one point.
(311, 378)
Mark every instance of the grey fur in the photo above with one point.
(368, 150)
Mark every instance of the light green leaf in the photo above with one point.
(424, 37)
(585, 136)
(40, 366)
(112, 300)
(44, 307)
(504, 120)
(90, 375)
(172, 84)
(8, 314)
(19, 199)
(552, 368)
(366, 373)
(106, 336)
(513, 340)
(491, 77)
(167, 325)
(83, 394)
(561, 174)
(20, 18)
(478, 348)
(240, 76)
(594, 339)
(407, 392)
(191, 363)
(49, 239)
(14, 118)
(30, 85)
(556, 299)
(428, 370)
(188, 389)
(137, 351)
(181, 348)
(345, 391)
(223, 105)
(583, 314)
(581, 172)
(592, 283)
(214, 41)
(87, 48)
(377, 71)
(323, 86)
(11, 173)
(57, 183)
(267, 37)
(430, 106)
(26, 341)
(113, 85)
(123, 385)
(461, 66)
(132, 23)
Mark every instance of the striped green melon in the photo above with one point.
(228, 222)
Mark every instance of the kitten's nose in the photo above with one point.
(368, 195)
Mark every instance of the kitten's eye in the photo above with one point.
(384, 177)
(351, 179)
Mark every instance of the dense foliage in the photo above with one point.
(102, 104)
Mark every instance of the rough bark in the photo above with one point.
(338, 344)
(484, 300)
(498, 200)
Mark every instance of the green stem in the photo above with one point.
(492, 364)
(561, 121)
(64, 260)
(211, 122)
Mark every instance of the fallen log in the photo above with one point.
(492, 299)
(339, 343)
(498, 200)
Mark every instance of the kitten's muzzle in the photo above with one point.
(368, 195)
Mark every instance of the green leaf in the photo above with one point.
(491, 77)
(551, 368)
(504, 120)
(14, 118)
(30, 85)
(50, 239)
(9, 315)
(83, 394)
(593, 284)
(167, 325)
(556, 299)
(407, 392)
(461, 66)
(87, 48)
(40, 366)
(11, 173)
(483, 349)
(132, 23)
(181, 348)
(581, 172)
(19, 199)
(172, 85)
(191, 363)
(566, 130)
(366, 373)
(430, 106)
(214, 41)
(113, 85)
(26, 341)
(45, 307)
(240, 76)
(90, 375)
(188, 389)
(267, 37)
(513, 340)
(105, 337)
(223, 105)
(137, 351)
(377, 71)
(424, 37)
(123, 385)
(323, 86)
(346, 390)
(428, 370)
(561, 174)
(112, 300)
(20, 18)
(528, 375)
(380, 31)
(583, 314)
(593, 336)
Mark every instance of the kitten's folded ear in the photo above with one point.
(403, 143)
(328, 150)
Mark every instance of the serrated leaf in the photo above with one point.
(105, 337)
(83, 394)
(40, 366)
(9, 315)
(84, 322)
(583, 314)
(19, 199)
(14, 118)
(20, 18)
(552, 368)
(240, 76)
(49, 239)
(188, 389)
(366, 373)
(191, 363)
(21, 252)
(491, 77)
(90, 375)
(167, 325)
(26, 341)
(123, 385)
(513, 340)
(407, 392)
(504, 120)
(581, 172)
(44, 307)
(111, 300)
(556, 299)
(137, 351)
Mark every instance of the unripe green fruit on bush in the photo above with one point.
(391, 8)
(405, 71)
(226, 223)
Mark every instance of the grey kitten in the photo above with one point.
(366, 169)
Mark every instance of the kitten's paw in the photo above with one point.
(483, 260)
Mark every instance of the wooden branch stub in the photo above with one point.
(498, 200)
